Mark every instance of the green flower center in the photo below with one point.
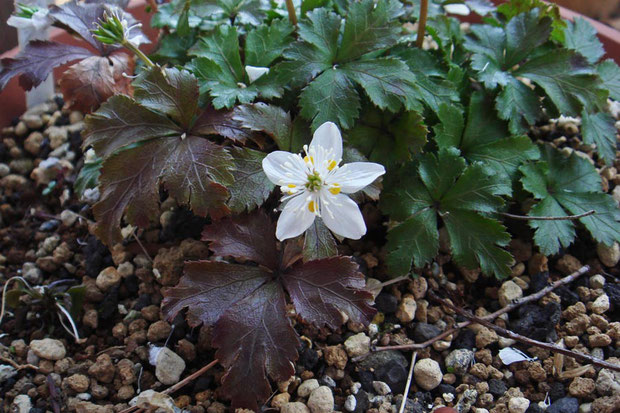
(314, 182)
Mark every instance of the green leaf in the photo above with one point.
(474, 190)
(319, 242)
(449, 130)
(265, 44)
(440, 172)
(305, 61)
(488, 47)
(77, 294)
(222, 47)
(600, 129)
(568, 186)
(580, 36)
(387, 138)
(250, 187)
(551, 235)
(524, 33)
(519, 105)
(369, 26)
(568, 79)
(610, 75)
(415, 241)
(220, 84)
(308, 5)
(88, 177)
(514, 8)
(330, 97)
(476, 240)
(458, 194)
(387, 81)
(321, 28)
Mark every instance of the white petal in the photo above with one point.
(460, 9)
(342, 216)
(328, 137)
(254, 72)
(19, 22)
(283, 168)
(295, 218)
(356, 175)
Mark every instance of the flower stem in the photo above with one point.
(291, 12)
(422, 23)
(138, 53)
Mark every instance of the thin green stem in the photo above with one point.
(422, 23)
(139, 53)
(291, 12)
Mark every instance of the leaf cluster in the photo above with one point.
(98, 74)
(245, 301)
(161, 139)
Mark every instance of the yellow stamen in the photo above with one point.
(292, 186)
(331, 165)
(309, 159)
(335, 189)
(311, 206)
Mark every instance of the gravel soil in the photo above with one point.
(45, 236)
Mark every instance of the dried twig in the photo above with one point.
(532, 297)
(179, 385)
(525, 340)
(18, 366)
(414, 356)
(565, 218)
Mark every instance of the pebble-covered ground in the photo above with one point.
(44, 236)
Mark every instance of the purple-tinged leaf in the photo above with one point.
(87, 84)
(173, 93)
(246, 237)
(222, 123)
(255, 340)
(81, 19)
(188, 168)
(37, 61)
(208, 289)
(322, 289)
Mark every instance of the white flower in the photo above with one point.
(460, 9)
(315, 186)
(254, 72)
(33, 27)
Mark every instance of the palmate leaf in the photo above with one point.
(159, 140)
(329, 62)
(568, 186)
(221, 72)
(485, 139)
(444, 186)
(246, 304)
(503, 56)
(37, 60)
(250, 187)
(609, 73)
(580, 36)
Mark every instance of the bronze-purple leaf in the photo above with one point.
(158, 140)
(37, 61)
(245, 237)
(247, 302)
(255, 340)
(209, 288)
(322, 289)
